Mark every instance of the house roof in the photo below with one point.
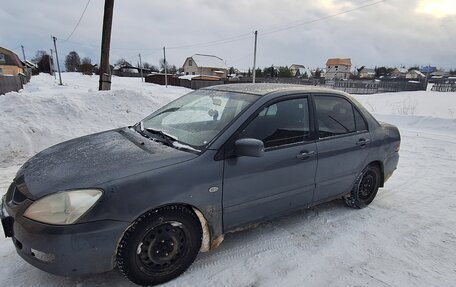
(401, 70)
(10, 58)
(417, 72)
(209, 61)
(339, 62)
(367, 70)
(29, 64)
(438, 73)
(428, 69)
(296, 66)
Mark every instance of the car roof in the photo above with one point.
(261, 89)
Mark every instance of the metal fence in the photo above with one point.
(199, 84)
(361, 87)
(14, 83)
(444, 87)
(10, 83)
(349, 86)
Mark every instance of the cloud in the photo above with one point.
(388, 33)
(437, 8)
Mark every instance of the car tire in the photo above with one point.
(365, 188)
(160, 245)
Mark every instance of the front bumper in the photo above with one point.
(7, 221)
(84, 248)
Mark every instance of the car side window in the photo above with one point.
(335, 116)
(281, 123)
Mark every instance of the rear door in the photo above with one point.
(343, 145)
(283, 179)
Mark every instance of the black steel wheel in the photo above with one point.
(160, 245)
(365, 188)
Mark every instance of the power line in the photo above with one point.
(320, 18)
(79, 21)
(358, 2)
(231, 39)
(249, 35)
(202, 44)
(235, 60)
(225, 40)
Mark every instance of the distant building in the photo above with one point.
(29, 65)
(399, 73)
(338, 68)
(125, 69)
(33, 68)
(414, 75)
(297, 70)
(428, 69)
(366, 73)
(439, 73)
(317, 73)
(205, 65)
(10, 63)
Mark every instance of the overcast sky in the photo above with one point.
(393, 32)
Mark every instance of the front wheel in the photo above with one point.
(365, 188)
(159, 245)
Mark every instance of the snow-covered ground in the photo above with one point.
(406, 237)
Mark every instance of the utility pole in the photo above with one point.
(254, 56)
(105, 70)
(50, 64)
(141, 67)
(23, 53)
(53, 70)
(164, 64)
(57, 58)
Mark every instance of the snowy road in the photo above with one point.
(406, 237)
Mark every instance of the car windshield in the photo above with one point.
(195, 119)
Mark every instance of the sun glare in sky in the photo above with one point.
(437, 8)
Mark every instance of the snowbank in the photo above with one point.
(421, 103)
(45, 113)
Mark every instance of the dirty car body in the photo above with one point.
(236, 155)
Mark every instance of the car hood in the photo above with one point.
(89, 161)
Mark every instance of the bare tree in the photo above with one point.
(72, 62)
(162, 66)
(122, 62)
(86, 66)
(86, 60)
(42, 60)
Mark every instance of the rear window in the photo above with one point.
(335, 116)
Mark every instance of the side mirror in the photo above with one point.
(249, 147)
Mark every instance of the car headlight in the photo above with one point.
(63, 207)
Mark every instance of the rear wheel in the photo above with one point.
(365, 188)
(160, 245)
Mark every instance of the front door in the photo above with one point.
(283, 179)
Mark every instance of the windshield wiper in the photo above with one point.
(164, 137)
(169, 139)
(139, 128)
(162, 133)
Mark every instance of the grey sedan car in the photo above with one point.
(147, 198)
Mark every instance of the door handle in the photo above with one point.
(363, 142)
(305, 155)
